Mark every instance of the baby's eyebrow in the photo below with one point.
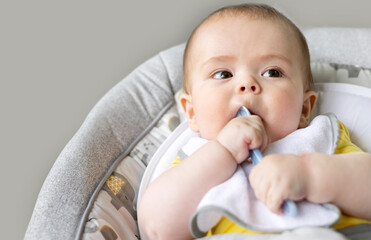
(276, 56)
(263, 58)
(217, 59)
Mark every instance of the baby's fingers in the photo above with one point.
(267, 190)
(274, 198)
(242, 134)
(259, 185)
(256, 136)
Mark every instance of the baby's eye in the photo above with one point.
(222, 75)
(272, 73)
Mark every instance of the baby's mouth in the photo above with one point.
(243, 112)
(252, 112)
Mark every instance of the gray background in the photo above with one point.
(58, 58)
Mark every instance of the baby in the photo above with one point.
(253, 56)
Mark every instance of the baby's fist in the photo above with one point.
(242, 134)
(279, 177)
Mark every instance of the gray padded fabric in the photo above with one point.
(349, 46)
(110, 129)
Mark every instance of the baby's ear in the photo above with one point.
(310, 99)
(187, 105)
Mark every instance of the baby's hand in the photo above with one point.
(242, 134)
(278, 177)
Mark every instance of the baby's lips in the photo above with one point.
(244, 111)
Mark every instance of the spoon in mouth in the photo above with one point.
(289, 207)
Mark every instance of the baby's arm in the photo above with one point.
(343, 179)
(167, 205)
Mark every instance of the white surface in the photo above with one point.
(58, 58)
(340, 98)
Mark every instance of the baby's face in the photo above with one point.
(236, 61)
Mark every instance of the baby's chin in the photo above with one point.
(278, 136)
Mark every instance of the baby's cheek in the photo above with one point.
(282, 127)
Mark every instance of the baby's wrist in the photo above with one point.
(305, 174)
(232, 155)
(316, 190)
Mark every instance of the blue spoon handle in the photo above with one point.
(289, 207)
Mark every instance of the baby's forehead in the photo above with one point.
(203, 35)
(229, 20)
(240, 19)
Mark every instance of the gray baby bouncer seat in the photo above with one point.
(91, 192)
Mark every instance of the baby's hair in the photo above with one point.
(254, 11)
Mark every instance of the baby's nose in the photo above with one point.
(249, 87)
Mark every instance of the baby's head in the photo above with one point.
(253, 12)
(248, 55)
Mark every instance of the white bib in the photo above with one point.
(234, 198)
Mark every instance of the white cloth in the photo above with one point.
(235, 199)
